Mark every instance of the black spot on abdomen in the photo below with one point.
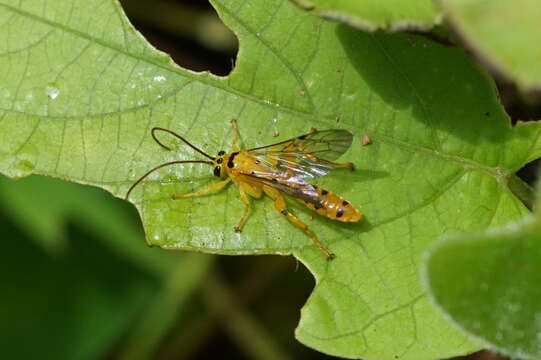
(319, 205)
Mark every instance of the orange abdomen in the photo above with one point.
(333, 206)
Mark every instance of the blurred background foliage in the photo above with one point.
(81, 283)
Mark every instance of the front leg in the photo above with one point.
(214, 187)
(349, 165)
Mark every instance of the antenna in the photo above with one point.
(161, 166)
(179, 137)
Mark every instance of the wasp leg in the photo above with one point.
(245, 190)
(214, 187)
(280, 205)
(236, 136)
(343, 164)
(246, 200)
(336, 164)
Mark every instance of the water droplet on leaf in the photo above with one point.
(159, 78)
(52, 92)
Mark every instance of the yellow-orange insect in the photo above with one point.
(277, 169)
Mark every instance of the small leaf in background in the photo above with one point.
(505, 35)
(371, 15)
(487, 283)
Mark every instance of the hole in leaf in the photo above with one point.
(529, 173)
(190, 31)
(518, 106)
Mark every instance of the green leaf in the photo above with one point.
(374, 15)
(503, 34)
(83, 90)
(488, 284)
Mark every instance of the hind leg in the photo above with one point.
(280, 205)
(343, 164)
(335, 164)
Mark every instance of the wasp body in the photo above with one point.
(277, 169)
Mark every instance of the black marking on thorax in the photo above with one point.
(230, 163)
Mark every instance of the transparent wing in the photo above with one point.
(292, 186)
(306, 156)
